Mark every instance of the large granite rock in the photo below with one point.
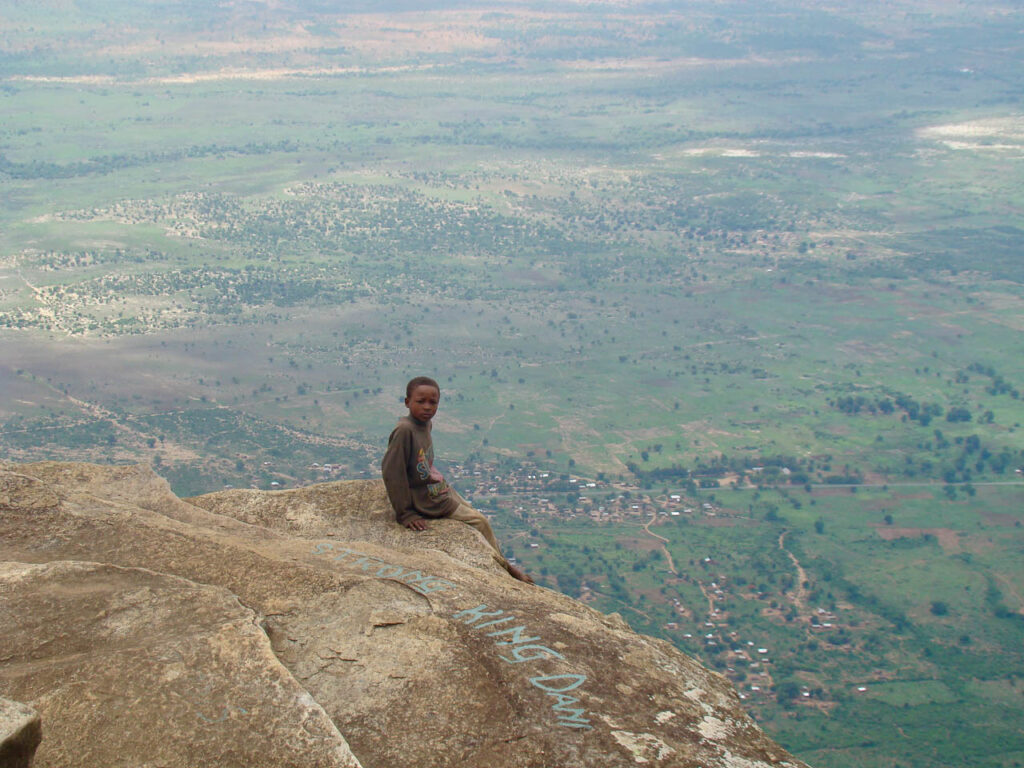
(304, 628)
(20, 734)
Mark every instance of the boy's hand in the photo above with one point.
(416, 524)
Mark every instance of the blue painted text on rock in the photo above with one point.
(420, 582)
(525, 648)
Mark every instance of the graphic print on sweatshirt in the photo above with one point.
(437, 486)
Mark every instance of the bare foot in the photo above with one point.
(518, 573)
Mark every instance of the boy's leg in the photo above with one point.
(466, 514)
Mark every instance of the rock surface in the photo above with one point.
(304, 628)
(20, 734)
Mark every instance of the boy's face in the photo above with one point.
(422, 403)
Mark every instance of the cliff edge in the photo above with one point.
(304, 628)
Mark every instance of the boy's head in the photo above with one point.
(422, 395)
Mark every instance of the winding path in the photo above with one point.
(664, 549)
(800, 595)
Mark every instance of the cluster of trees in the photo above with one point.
(707, 472)
(223, 290)
(103, 164)
(57, 260)
(913, 410)
(998, 385)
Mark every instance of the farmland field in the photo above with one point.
(725, 302)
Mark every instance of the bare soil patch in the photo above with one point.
(997, 133)
(1000, 518)
(830, 491)
(645, 544)
(948, 539)
(716, 522)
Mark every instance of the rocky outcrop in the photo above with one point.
(304, 628)
(20, 734)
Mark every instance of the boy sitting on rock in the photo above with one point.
(416, 489)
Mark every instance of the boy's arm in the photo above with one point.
(393, 469)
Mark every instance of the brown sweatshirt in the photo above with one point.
(414, 487)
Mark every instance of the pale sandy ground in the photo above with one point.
(744, 152)
(375, 39)
(991, 134)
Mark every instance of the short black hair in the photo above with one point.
(420, 381)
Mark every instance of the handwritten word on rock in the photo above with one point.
(420, 582)
(514, 640)
(523, 648)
